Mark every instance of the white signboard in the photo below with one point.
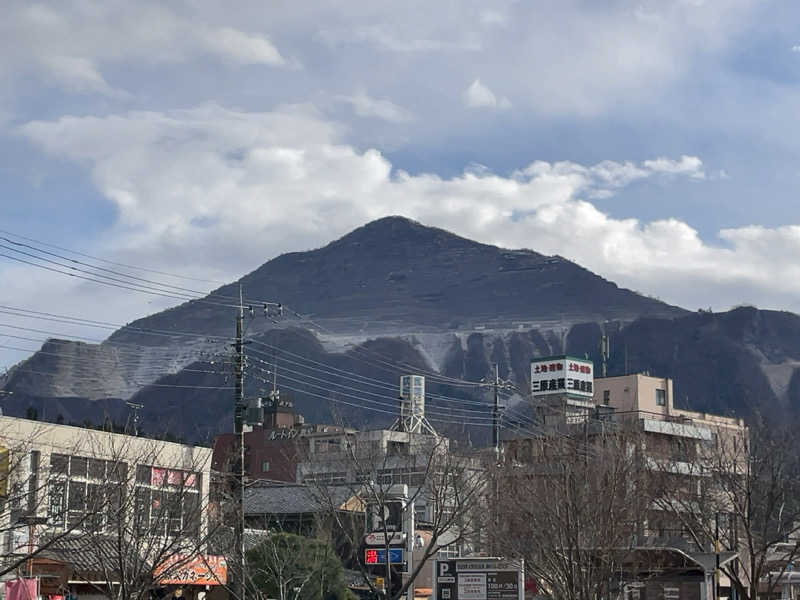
(379, 539)
(478, 579)
(562, 375)
(472, 586)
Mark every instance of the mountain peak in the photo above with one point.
(389, 233)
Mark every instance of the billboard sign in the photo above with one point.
(202, 569)
(562, 375)
(478, 579)
(379, 539)
(377, 556)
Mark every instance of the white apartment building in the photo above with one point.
(58, 478)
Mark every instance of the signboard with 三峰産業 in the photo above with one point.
(562, 375)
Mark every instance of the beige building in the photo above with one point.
(674, 444)
(653, 396)
(59, 478)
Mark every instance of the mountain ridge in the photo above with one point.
(431, 299)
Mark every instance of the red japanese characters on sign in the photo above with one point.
(549, 367)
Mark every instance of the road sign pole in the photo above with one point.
(410, 538)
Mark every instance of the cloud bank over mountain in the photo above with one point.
(232, 188)
(653, 142)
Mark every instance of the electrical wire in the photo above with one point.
(80, 321)
(49, 245)
(343, 373)
(192, 293)
(391, 400)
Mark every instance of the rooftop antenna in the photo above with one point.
(412, 406)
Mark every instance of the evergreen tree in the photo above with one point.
(292, 567)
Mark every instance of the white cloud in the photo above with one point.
(366, 106)
(242, 48)
(477, 95)
(687, 165)
(78, 75)
(387, 38)
(493, 17)
(71, 44)
(562, 59)
(796, 48)
(209, 186)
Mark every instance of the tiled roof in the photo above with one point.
(85, 553)
(293, 499)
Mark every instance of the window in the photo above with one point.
(85, 493)
(606, 397)
(168, 502)
(264, 466)
(59, 463)
(420, 513)
(97, 468)
(78, 466)
(661, 398)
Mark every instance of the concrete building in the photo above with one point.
(666, 439)
(59, 478)
(276, 440)
(561, 389)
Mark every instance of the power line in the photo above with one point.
(195, 294)
(371, 381)
(116, 285)
(330, 384)
(109, 261)
(26, 313)
(345, 374)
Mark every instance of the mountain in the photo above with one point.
(394, 274)
(395, 295)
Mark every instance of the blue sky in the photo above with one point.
(654, 142)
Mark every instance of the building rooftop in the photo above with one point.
(293, 499)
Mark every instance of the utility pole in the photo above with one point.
(605, 352)
(496, 413)
(716, 556)
(238, 428)
(239, 410)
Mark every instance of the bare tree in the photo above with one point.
(571, 509)
(743, 489)
(150, 516)
(124, 505)
(445, 489)
(24, 532)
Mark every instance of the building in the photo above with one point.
(62, 485)
(561, 389)
(671, 444)
(275, 438)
